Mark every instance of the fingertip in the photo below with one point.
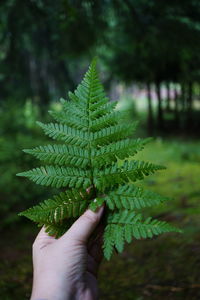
(99, 211)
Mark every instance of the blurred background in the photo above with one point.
(149, 60)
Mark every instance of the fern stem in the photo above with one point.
(89, 132)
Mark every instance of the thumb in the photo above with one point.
(84, 226)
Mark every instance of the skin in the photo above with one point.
(66, 268)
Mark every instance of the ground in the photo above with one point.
(166, 267)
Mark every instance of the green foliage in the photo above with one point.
(124, 225)
(132, 197)
(61, 154)
(57, 177)
(60, 207)
(17, 130)
(95, 137)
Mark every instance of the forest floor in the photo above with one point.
(166, 267)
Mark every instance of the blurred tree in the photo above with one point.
(156, 42)
(40, 41)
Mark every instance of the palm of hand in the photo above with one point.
(66, 268)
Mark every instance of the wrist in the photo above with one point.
(43, 289)
(46, 288)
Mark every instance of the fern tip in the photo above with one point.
(22, 214)
(39, 123)
(62, 100)
(27, 151)
(20, 174)
(94, 60)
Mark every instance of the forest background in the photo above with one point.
(148, 59)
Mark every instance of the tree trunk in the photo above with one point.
(160, 120)
(189, 105)
(183, 97)
(150, 120)
(168, 107)
(176, 109)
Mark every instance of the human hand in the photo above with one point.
(66, 268)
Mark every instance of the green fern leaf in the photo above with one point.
(105, 121)
(71, 121)
(94, 136)
(69, 204)
(57, 230)
(108, 241)
(129, 171)
(122, 149)
(61, 155)
(132, 197)
(125, 225)
(112, 134)
(59, 177)
(67, 134)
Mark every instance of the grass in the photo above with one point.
(166, 267)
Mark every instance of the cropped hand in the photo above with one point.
(66, 268)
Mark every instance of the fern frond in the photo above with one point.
(121, 149)
(106, 121)
(68, 204)
(132, 197)
(91, 87)
(125, 225)
(73, 97)
(95, 137)
(129, 171)
(108, 241)
(59, 177)
(112, 134)
(71, 121)
(57, 230)
(103, 110)
(75, 111)
(61, 155)
(67, 134)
